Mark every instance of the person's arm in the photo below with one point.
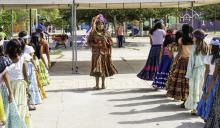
(42, 58)
(25, 72)
(48, 55)
(206, 74)
(8, 85)
(151, 41)
(214, 77)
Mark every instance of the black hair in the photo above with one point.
(215, 52)
(157, 26)
(201, 46)
(13, 48)
(35, 43)
(187, 34)
(169, 38)
(178, 35)
(22, 44)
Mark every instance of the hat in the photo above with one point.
(40, 27)
(158, 21)
(23, 35)
(215, 41)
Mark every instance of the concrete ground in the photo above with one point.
(128, 102)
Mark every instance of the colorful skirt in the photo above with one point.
(35, 97)
(13, 119)
(2, 112)
(213, 120)
(43, 73)
(102, 66)
(164, 68)
(177, 85)
(40, 86)
(204, 106)
(20, 96)
(152, 65)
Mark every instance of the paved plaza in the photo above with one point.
(128, 102)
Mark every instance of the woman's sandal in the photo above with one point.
(194, 113)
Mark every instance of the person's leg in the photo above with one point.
(97, 83)
(103, 82)
(121, 39)
(118, 39)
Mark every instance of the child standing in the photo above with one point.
(213, 120)
(178, 85)
(206, 102)
(196, 71)
(151, 67)
(166, 61)
(18, 78)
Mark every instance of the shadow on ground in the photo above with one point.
(123, 67)
(191, 125)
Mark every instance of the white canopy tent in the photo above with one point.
(99, 4)
(103, 4)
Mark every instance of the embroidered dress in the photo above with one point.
(164, 68)
(195, 74)
(101, 55)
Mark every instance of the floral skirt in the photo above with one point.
(162, 74)
(177, 85)
(13, 118)
(20, 95)
(152, 65)
(204, 106)
(35, 97)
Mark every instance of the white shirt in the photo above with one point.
(28, 49)
(158, 37)
(15, 70)
(208, 60)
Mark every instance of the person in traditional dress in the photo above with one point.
(18, 78)
(178, 85)
(12, 117)
(157, 36)
(166, 61)
(196, 70)
(41, 47)
(35, 97)
(213, 120)
(101, 42)
(205, 104)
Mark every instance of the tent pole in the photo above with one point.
(12, 20)
(192, 6)
(72, 36)
(30, 16)
(75, 39)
